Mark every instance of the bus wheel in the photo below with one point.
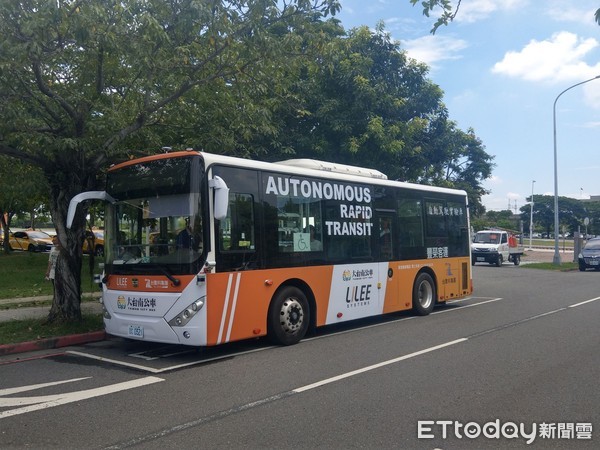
(423, 294)
(288, 316)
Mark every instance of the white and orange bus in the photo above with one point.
(204, 249)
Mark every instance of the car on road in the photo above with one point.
(30, 240)
(589, 258)
(94, 242)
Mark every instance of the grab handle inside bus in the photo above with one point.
(221, 196)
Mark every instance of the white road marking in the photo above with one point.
(375, 366)
(49, 401)
(583, 303)
(17, 390)
(114, 361)
(467, 306)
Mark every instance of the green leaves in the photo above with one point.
(446, 16)
(84, 82)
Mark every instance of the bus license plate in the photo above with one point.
(136, 331)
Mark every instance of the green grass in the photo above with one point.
(22, 275)
(35, 329)
(564, 267)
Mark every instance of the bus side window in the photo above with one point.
(410, 228)
(457, 229)
(386, 252)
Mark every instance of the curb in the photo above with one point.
(50, 343)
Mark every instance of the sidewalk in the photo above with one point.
(39, 312)
(546, 255)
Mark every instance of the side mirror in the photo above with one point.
(221, 197)
(90, 195)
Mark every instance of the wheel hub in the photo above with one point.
(425, 295)
(292, 315)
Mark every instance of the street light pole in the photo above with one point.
(556, 259)
(531, 218)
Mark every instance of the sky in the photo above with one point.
(502, 64)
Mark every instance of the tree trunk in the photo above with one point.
(5, 221)
(66, 304)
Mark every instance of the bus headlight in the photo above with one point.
(186, 315)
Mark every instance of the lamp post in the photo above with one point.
(531, 217)
(556, 259)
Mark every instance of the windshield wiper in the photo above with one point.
(169, 275)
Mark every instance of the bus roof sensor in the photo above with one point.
(334, 167)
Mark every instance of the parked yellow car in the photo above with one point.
(31, 241)
(94, 241)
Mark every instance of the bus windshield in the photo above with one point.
(158, 224)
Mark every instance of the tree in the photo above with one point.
(496, 219)
(82, 81)
(571, 213)
(363, 100)
(592, 212)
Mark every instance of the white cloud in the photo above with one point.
(431, 49)
(557, 59)
(474, 10)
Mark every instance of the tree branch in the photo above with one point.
(23, 156)
(44, 89)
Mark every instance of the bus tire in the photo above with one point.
(289, 316)
(423, 294)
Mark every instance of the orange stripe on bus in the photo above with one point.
(238, 303)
